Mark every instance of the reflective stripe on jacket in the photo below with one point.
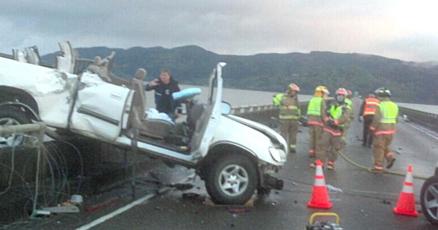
(370, 106)
(289, 108)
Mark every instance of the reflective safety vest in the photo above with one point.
(289, 109)
(349, 103)
(314, 106)
(276, 100)
(370, 107)
(389, 112)
(336, 112)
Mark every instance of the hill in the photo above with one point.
(409, 81)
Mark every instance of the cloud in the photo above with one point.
(420, 47)
(229, 27)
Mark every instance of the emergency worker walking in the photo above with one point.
(384, 128)
(332, 141)
(315, 116)
(366, 114)
(289, 114)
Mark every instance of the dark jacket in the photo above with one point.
(163, 96)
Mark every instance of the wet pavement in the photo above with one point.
(365, 202)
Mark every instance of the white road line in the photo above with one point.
(424, 130)
(116, 212)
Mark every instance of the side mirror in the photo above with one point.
(225, 108)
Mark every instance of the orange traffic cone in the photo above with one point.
(320, 197)
(406, 200)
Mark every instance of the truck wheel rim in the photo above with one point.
(233, 180)
(10, 140)
(431, 200)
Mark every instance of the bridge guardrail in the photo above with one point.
(426, 119)
(251, 108)
(263, 112)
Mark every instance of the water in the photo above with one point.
(236, 97)
(240, 97)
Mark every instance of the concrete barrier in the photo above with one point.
(429, 120)
(264, 113)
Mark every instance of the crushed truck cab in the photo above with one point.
(234, 156)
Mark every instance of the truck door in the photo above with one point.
(210, 118)
(99, 108)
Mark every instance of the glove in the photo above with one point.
(331, 123)
(303, 121)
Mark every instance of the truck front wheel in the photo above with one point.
(429, 199)
(231, 179)
(12, 116)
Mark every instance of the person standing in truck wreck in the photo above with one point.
(164, 86)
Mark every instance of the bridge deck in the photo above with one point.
(366, 202)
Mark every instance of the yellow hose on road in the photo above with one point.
(350, 161)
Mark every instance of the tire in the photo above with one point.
(225, 180)
(12, 116)
(429, 194)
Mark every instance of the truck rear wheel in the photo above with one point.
(231, 179)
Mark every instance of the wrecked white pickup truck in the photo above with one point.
(234, 156)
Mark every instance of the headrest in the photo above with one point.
(140, 74)
(186, 94)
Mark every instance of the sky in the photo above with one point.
(402, 29)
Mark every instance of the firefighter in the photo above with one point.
(315, 114)
(383, 128)
(332, 141)
(349, 103)
(366, 114)
(276, 99)
(289, 115)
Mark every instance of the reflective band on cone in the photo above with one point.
(320, 197)
(406, 200)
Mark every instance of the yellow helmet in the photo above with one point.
(322, 89)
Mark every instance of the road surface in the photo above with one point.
(365, 203)
(366, 200)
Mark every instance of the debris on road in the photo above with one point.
(191, 196)
(386, 202)
(334, 189)
(102, 205)
(248, 204)
(238, 210)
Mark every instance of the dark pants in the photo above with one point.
(367, 138)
